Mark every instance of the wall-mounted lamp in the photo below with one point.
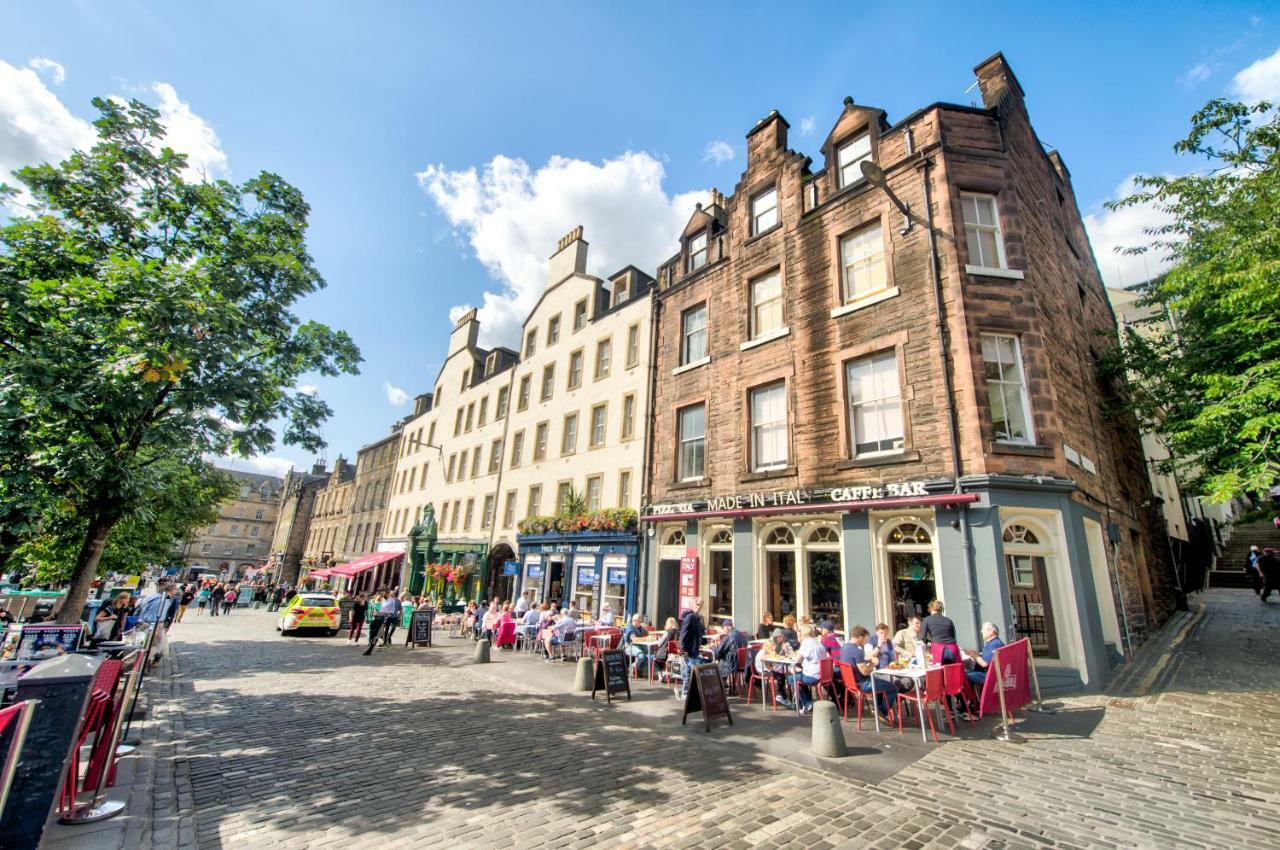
(875, 176)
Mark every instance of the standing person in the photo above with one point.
(188, 594)
(229, 600)
(391, 609)
(692, 631)
(939, 632)
(202, 599)
(359, 610)
(1269, 566)
(1251, 569)
(215, 599)
(407, 607)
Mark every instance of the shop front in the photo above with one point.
(1018, 552)
(586, 569)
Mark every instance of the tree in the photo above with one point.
(147, 319)
(177, 499)
(1205, 367)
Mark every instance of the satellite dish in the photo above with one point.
(873, 173)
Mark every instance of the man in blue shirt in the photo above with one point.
(635, 629)
(692, 630)
(982, 660)
(854, 653)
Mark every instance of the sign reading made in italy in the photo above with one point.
(817, 497)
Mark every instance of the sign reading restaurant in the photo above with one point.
(790, 498)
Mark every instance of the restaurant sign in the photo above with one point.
(787, 498)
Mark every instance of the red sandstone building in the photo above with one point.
(877, 386)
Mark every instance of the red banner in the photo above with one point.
(688, 582)
(1016, 675)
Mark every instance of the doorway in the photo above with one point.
(555, 582)
(1026, 575)
(668, 590)
(780, 591)
(913, 585)
(720, 588)
(824, 587)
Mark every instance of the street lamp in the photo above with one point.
(875, 176)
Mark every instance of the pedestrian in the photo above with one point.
(229, 600)
(1251, 569)
(215, 599)
(381, 607)
(202, 599)
(407, 606)
(359, 608)
(391, 609)
(692, 631)
(188, 594)
(939, 632)
(1269, 565)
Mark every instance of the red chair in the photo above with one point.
(934, 692)
(505, 635)
(739, 678)
(850, 682)
(956, 684)
(827, 679)
(768, 684)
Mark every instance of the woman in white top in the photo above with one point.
(811, 653)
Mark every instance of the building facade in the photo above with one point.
(330, 515)
(239, 543)
(375, 468)
(875, 387)
(293, 521)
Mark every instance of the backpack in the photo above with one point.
(230, 597)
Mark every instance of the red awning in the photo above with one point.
(319, 574)
(816, 507)
(368, 562)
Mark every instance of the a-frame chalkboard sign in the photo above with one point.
(611, 675)
(706, 694)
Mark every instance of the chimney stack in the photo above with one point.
(570, 257)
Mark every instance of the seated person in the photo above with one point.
(883, 652)
(606, 620)
(635, 629)
(905, 640)
(777, 646)
(789, 630)
(726, 651)
(529, 622)
(854, 653)
(560, 633)
(811, 653)
(982, 660)
(830, 640)
(766, 627)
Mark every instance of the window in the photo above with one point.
(262, 497)
(766, 304)
(457, 514)
(258, 513)
(495, 456)
(486, 518)
(693, 432)
(431, 434)
(540, 441)
(462, 466)
(484, 412)
(769, 427)
(522, 399)
(206, 548)
(580, 315)
(444, 515)
(423, 485)
(448, 473)
(553, 330)
(619, 291)
(575, 369)
(1007, 388)
(234, 531)
(413, 475)
(250, 548)
(245, 489)
(982, 230)
(850, 156)
(633, 345)
(862, 270)
(563, 492)
(698, 251)
(595, 485)
(628, 416)
(530, 343)
(517, 448)
(228, 549)
(253, 532)
(569, 440)
(471, 410)
(504, 396)
(875, 404)
(598, 415)
(764, 211)
(509, 509)
(457, 422)
(466, 379)
(471, 510)
(475, 461)
(604, 357)
(624, 488)
(548, 381)
(535, 500)
(693, 324)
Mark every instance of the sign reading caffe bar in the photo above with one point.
(818, 497)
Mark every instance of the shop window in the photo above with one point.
(850, 156)
(615, 586)
(911, 571)
(585, 586)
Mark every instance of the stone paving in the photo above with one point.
(303, 742)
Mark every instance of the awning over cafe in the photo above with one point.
(319, 574)
(368, 562)
(697, 510)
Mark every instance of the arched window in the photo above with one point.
(909, 533)
(721, 537)
(1020, 534)
(780, 536)
(824, 534)
(675, 537)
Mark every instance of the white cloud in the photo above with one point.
(1110, 231)
(56, 72)
(512, 216)
(718, 152)
(1196, 74)
(189, 133)
(1259, 81)
(395, 395)
(308, 389)
(807, 125)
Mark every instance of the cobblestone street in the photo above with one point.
(305, 742)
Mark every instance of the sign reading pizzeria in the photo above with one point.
(817, 497)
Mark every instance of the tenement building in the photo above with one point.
(293, 521)
(875, 387)
(239, 543)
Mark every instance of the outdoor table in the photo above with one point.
(773, 660)
(916, 675)
(601, 642)
(648, 644)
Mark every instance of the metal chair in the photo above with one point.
(934, 692)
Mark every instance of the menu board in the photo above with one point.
(617, 575)
(586, 576)
(706, 694)
(611, 675)
(47, 640)
(420, 626)
(688, 582)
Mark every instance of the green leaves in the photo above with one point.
(1206, 363)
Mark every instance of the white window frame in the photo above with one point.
(996, 229)
(880, 402)
(699, 251)
(689, 442)
(764, 211)
(1002, 382)
(598, 428)
(756, 331)
(761, 429)
(844, 161)
(604, 358)
(864, 263)
(568, 446)
(687, 336)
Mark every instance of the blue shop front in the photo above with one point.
(588, 568)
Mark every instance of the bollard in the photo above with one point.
(586, 677)
(481, 655)
(828, 737)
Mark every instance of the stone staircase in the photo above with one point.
(1229, 570)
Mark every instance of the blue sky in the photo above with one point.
(606, 115)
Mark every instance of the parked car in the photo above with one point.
(309, 611)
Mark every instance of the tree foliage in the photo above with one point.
(1205, 363)
(147, 318)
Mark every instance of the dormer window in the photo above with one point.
(764, 211)
(620, 291)
(850, 156)
(698, 251)
(491, 364)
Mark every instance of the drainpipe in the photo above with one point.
(970, 571)
(642, 529)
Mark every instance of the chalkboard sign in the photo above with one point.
(706, 694)
(344, 612)
(611, 675)
(420, 626)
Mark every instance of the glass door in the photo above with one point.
(781, 588)
(912, 584)
(824, 587)
(1032, 608)
(720, 587)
